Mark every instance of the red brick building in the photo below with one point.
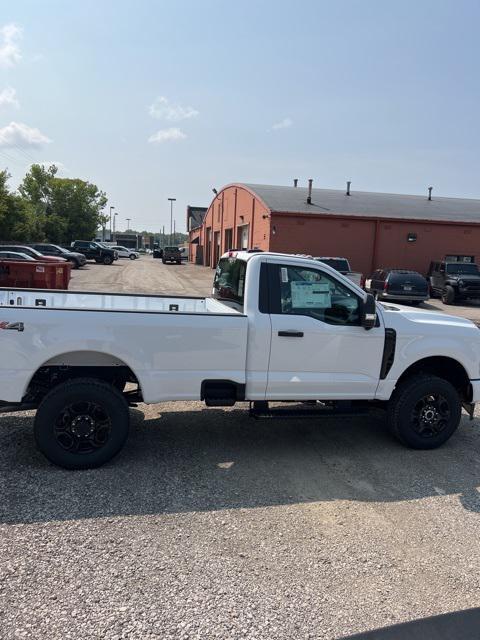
(371, 229)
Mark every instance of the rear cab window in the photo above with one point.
(229, 281)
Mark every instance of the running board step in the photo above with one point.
(321, 411)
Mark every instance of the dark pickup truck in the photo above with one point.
(454, 280)
(95, 251)
(172, 254)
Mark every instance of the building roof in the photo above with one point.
(367, 204)
(195, 215)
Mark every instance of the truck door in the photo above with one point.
(319, 350)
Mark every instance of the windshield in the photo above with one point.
(461, 267)
(171, 249)
(229, 281)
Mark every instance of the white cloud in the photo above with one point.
(164, 110)
(8, 98)
(167, 134)
(283, 124)
(17, 134)
(10, 54)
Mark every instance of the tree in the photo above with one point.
(17, 217)
(68, 209)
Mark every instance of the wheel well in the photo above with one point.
(49, 376)
(443, 367)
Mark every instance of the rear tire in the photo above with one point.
(424, 411)
(164, 261)
(107, 260)
(448, 295)
(179, 262)
(75, 264)
(81, 424)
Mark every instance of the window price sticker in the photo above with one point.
(311, 295)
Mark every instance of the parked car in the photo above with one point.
(401, 285)
(95, 251)
(454, 281)
(172, 254)
(125, 252)
(342, 265)
(77, 259)
(15, 255)
(277, 328)
(158, 253)
(30, 251)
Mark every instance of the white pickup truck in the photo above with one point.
(277, 328)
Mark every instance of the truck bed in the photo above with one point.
(91, 301)
(171, 344)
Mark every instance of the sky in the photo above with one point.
(158, 99)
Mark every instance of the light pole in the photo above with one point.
(128, 223)
(172, 200)
(111, 222)
(114, 216)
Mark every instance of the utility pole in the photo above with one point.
(174, 234)
(111, 223)
(128, 223)
(172, 200)
(163, 237)
(114, 216)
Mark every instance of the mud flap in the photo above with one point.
(469, 408)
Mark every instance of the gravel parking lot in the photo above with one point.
(210, 525)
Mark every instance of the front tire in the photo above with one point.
(448, 295)
(107, 260)
(424, 411)
(81, 424)
(132, 256)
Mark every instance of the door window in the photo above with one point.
(308, 292)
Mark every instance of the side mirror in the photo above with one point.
(368, 315)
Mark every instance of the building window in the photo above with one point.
(411, 237)
(228, 240)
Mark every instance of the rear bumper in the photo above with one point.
(399, 297)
